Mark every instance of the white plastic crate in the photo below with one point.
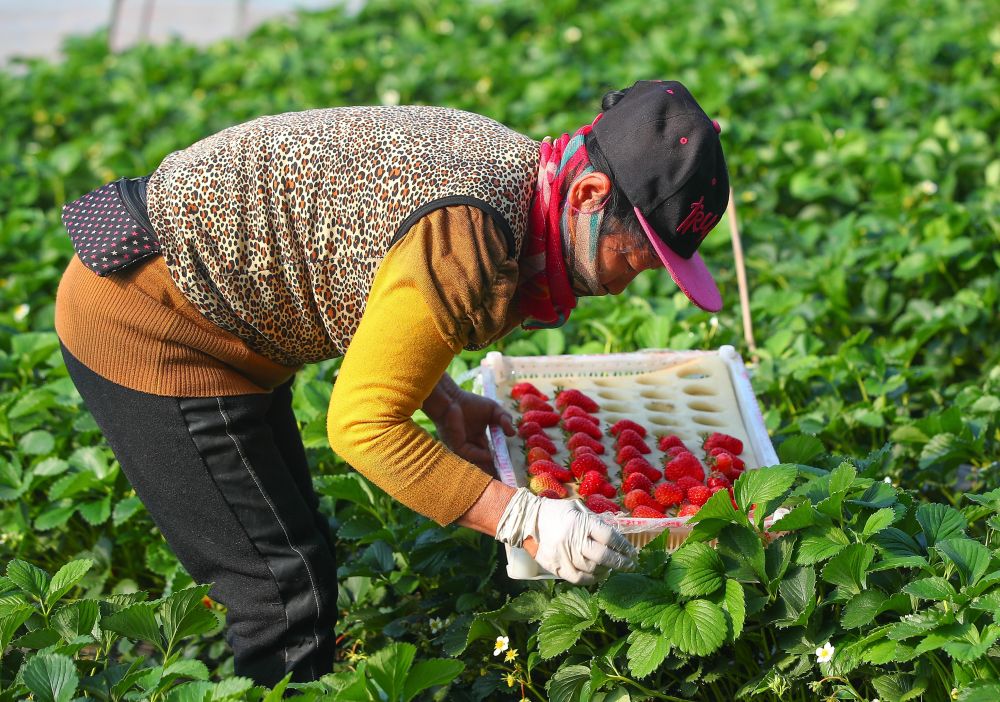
(687, 393)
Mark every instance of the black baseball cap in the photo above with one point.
(665, 155)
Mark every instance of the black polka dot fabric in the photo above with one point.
(105, 236)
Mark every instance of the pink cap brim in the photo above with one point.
(690, 274)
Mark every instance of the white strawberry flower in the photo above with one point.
(502, 644)
(825, 654)
(20, 312)
(436, 625)
(887, 480)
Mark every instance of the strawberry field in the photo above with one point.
(863, 141)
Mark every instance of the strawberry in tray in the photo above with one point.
(684, 465)
(533, 402)
(544, 419)
(587, 462)
(574, 425)
(582, 439)
(630, 437)
(668, 441)
(724, 441)
(540, 440)
(623, 424)
(553, 469)
(575, 397)
(539, 483)
(521, 389)
(599, 503)
(575, 411)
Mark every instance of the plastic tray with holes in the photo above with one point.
(687, 393)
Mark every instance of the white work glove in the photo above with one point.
(572, 542)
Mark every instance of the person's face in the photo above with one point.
(620, 255)
(620, 258)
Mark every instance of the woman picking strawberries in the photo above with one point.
(395, 237)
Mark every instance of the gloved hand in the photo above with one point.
(572, 542)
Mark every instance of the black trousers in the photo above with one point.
(227, 482)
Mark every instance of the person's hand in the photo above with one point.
(572, 543)
(462, 422)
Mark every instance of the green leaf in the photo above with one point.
(430, 673)
(932, 588)
(96, 512)
(979, 691)
(76, 618)
(719, 507)
(802, 516)
(800, 449)
(11, 621)
(742, 545)
(231, 688)
(697, 627)
(183, 614)
(634, 598)
(137, 621)
(848, 568)
(734, 605)
(646, 652)
(878, 521)
(51, 677)
(899, 687)
(65, 578)
(695, 569)
(568, 683)
(190, 668)
(390, 666)
(798, 595)
(940, 522)
(762, 485)
(971, 558)
(277, 693)
(55, 517)
(819, 543)
(200, 691)
(32, 579)
(862, 609)
(125, 509)
(568, 616)
(37, 639)
(37, 443)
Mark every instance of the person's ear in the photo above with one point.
(589, 192)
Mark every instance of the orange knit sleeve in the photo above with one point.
(395, 359)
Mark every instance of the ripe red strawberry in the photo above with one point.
(537, 483)
(639, 497)
(521, 389)
(668, 494)
(538, 454)
(582, 439)
(685, 464)
(578, 424)
(581, 451)
(533, 402)
(591, 483)
(675, 451)
(647, 512)
(726, 463)
(720, 440)
(669, 441)
(585, 462)
(699, 494)
(608, 490)
(637, 481)
(629, 437)
(545, 419)
(527, 429)
(575, 411)
(599, 503)
(575, 397)
(641, 465)
(687, 509)
(716, 479)
(686, 482)
(551, 494)
(553, 469)
(623, 424)
(627, 454)
(542, 441)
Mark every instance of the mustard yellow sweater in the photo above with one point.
(448, 281)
